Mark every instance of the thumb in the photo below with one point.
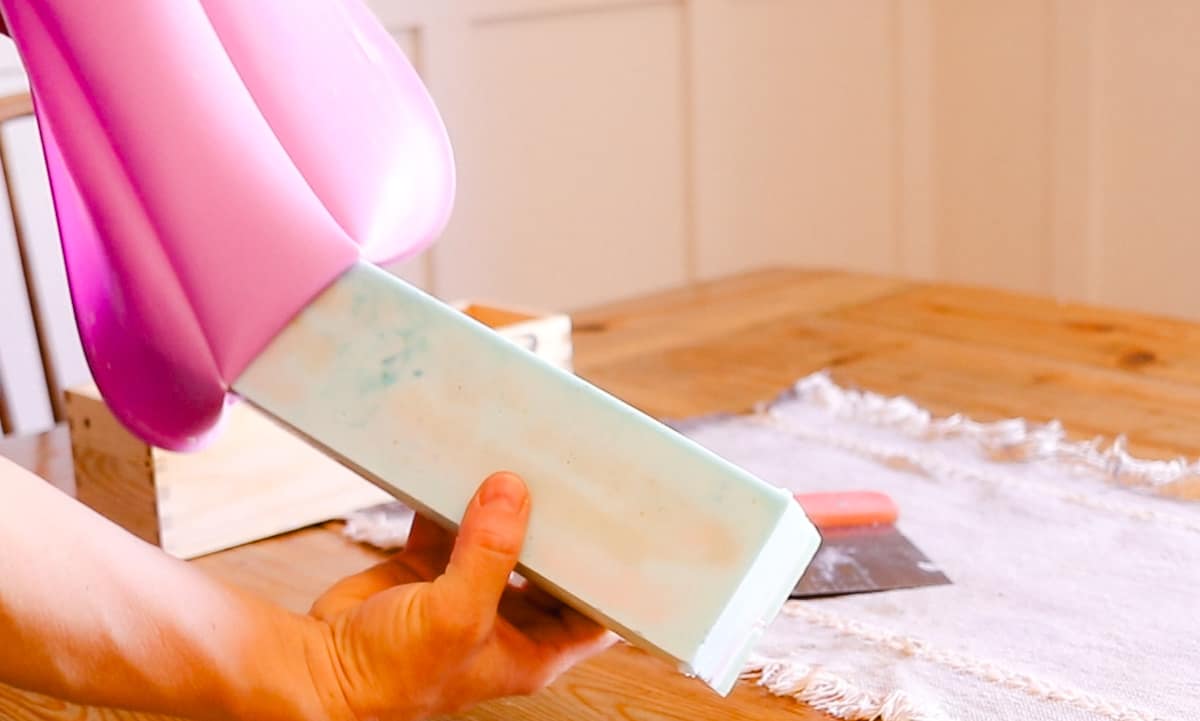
(485, 554)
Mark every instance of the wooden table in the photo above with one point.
(725, 345)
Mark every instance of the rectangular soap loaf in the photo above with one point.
(633, 524)
(256, 480)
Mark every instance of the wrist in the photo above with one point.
(290, 675)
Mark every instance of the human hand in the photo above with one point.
(438, 627)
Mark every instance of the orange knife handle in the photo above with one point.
(853, 508)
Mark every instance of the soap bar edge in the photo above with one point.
(780, 563)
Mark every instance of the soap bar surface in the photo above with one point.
(633, 524)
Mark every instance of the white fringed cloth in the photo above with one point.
(1076, 589)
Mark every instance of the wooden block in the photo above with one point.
(114, 471)
(546, 334)
(256, 480)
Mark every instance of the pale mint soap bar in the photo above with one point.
(681, 553)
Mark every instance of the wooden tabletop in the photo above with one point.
(725, 345)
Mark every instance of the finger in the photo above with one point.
(485, 554)
(527, 605)
(530, 665)
(353, 590)
(580, 649)
(516, 608)
(565, 630)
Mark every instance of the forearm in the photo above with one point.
(90, 614)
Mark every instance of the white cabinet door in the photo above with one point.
(607, 149)
(570, 126)
(797, 150)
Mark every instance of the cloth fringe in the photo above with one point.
(1013, 439)
(939, 466)
(831, 693)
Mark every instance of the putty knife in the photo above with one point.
(861, 549)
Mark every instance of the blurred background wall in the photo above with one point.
(608, 148)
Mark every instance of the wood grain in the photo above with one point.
(710, 311)
(117, 468)
(728, 344)
(626, 684)
(946, 376)
(1142, 345)
(20, 705)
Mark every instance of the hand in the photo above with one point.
(438, 627)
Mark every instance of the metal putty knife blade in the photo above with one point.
(864, 559)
